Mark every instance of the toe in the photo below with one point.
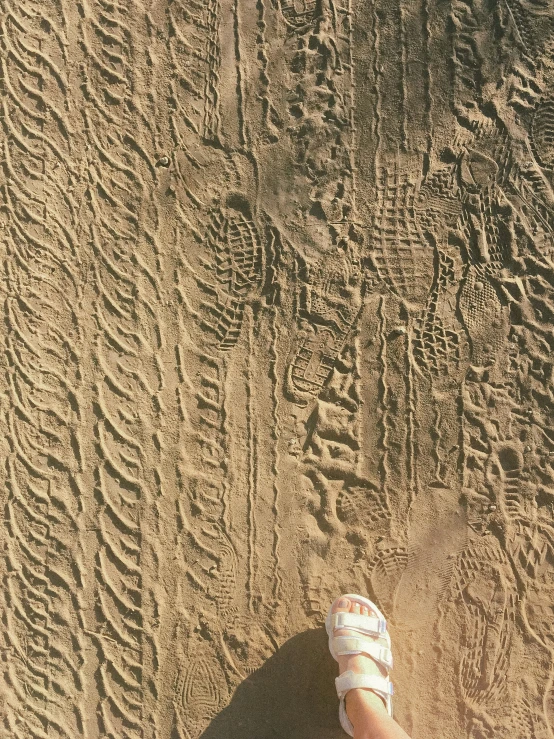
(365, 611)
(355, 608)
(342, 604)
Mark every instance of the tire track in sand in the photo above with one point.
(42, 586)
(213, 224)
(126, 343)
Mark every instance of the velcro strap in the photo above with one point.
(363, 624)
(343, 645)
(351, 680)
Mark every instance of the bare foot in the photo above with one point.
(359, 700)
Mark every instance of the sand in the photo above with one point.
(278, 310)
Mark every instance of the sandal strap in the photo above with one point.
(351, 680)
(344, 645)
(344, 720)
(368, 625)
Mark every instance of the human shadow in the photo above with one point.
(292, 696)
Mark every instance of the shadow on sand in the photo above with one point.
(292, 696)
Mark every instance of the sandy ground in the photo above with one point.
(278, 302)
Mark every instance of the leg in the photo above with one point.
(370, 718)
(365, 709)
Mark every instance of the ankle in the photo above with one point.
(361, 703)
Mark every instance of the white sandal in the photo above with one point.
(362, 627)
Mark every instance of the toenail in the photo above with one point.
(343, 602)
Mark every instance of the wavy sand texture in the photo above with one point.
(278, 298)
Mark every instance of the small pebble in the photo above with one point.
(398, 331)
